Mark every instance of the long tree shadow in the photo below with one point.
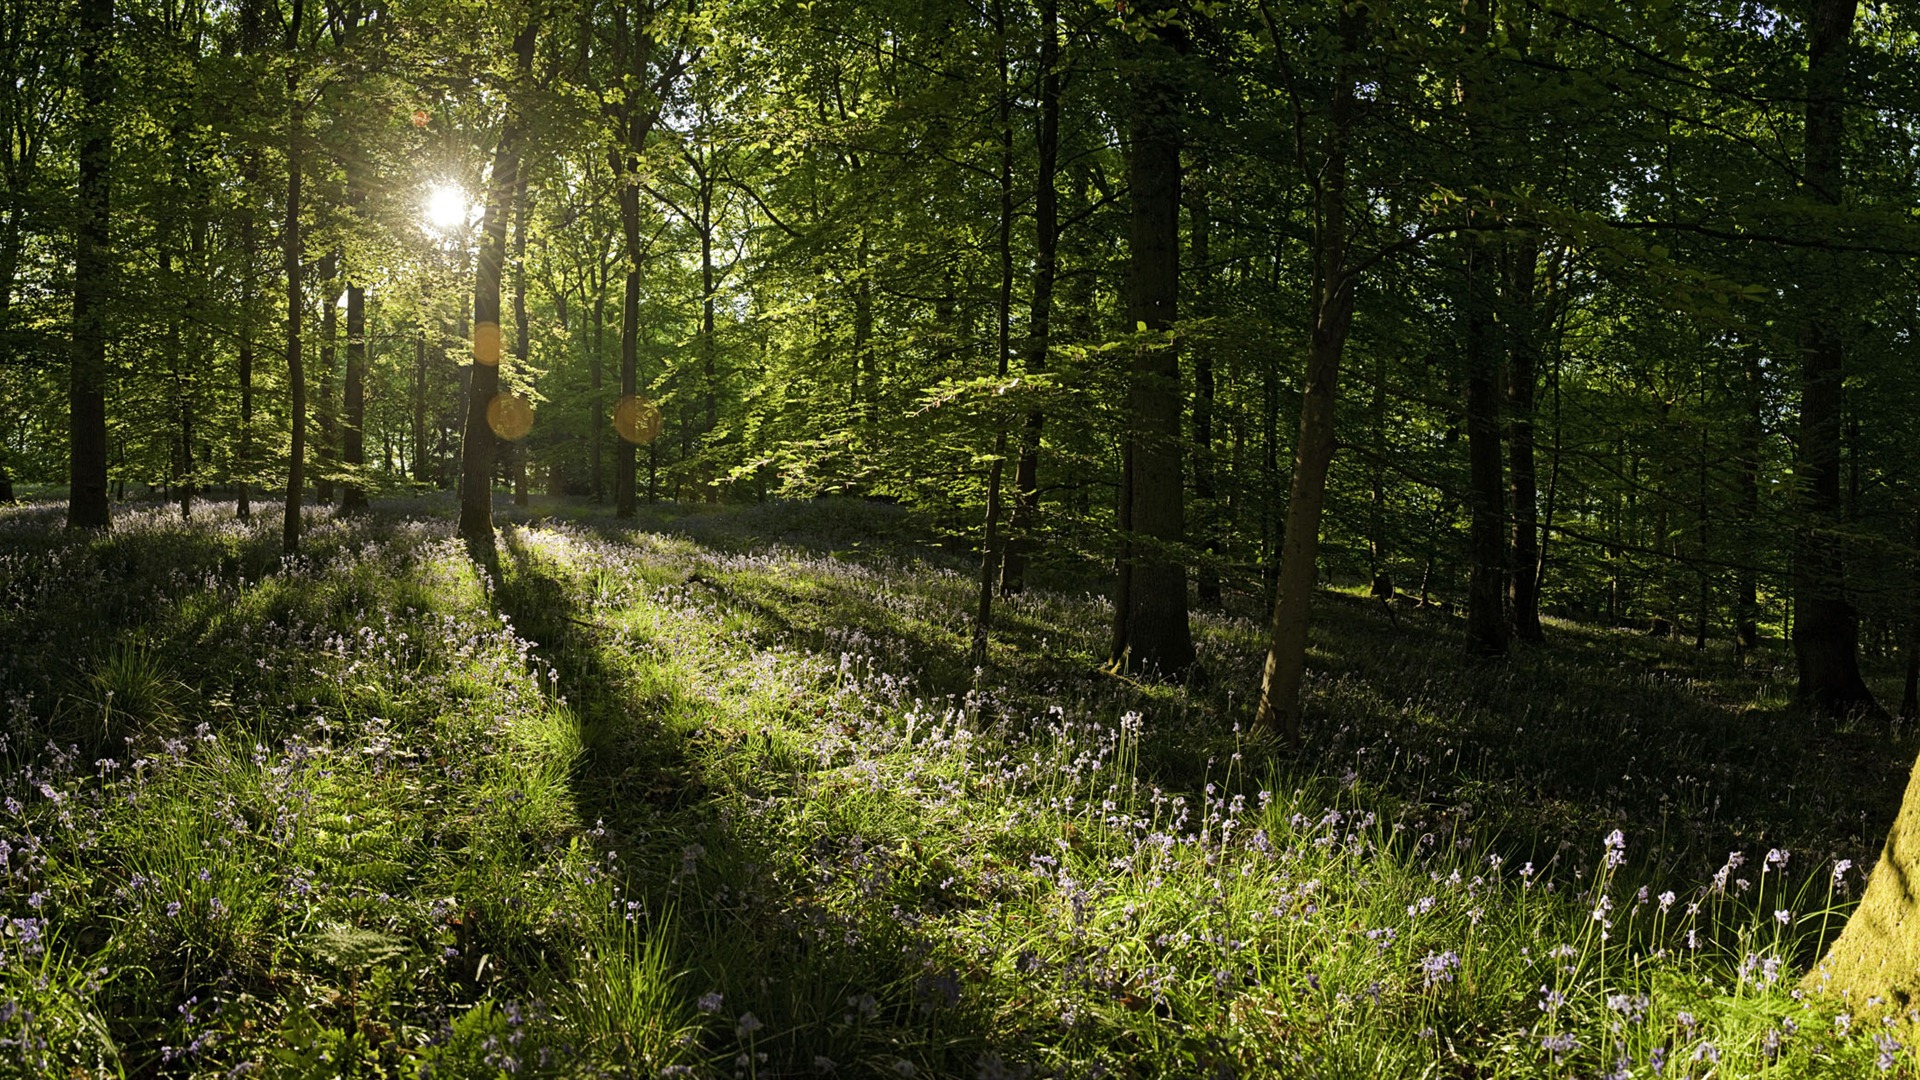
(674, 780)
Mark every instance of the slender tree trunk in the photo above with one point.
(709, 346)
(1003, 348)
(1703, 536)
(326, 446)
(522, 346)
(1046, 232)
(197, 250)
(291, 253)
(1200, 220)
(1486, 540)
(1523, 352)
(623, 461)
(92, 275)
(420, 471)
(863, 388)
(1553, 481)
(1333, 294)
(1150, 619)
(599, 420)
(636, 120)
(1826, 627)
(480, 446)
(1746, 603)
(353, 434)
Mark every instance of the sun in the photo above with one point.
(448, 207)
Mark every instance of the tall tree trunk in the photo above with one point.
(599, 425)
(480, 445)
(1200, 220)
(1910, 690)
(420, 471)
(863, 387)
(1150, 611)
(522, 346)
(623, 460)
(1523, 357)
(326, 445)
(1825, 625)
(1746, 602)
(1486, 525)
(1046, 239)
(1003, 348)
(709, 346)
(291, 249)
(1333, 294)
(633, 53)
(92, 275)
(353, 428)
(197, 256)
(243, 362)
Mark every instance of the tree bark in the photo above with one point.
(353, 427)
(1200, 220)
(1486, 524)
(291, 250)
(480, 445)
(1151, 633)
(1523, 357)
(599, 419)
(1825, 625)
(420, 471)
(92, 275)
(326, 447)
(522, 345)
(635, 121)
(1046, 240)
(1003, 348)
(1333, 294)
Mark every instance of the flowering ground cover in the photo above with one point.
(715, 794)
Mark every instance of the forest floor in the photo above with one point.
(714, 793)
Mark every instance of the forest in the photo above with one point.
(959, 538)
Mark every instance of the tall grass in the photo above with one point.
(682, 800)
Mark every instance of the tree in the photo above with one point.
(1826, 627)
(479, 442)
(1046, 268)
(1334, 279)
(92, 274)
(292, 252)
(1150, 631)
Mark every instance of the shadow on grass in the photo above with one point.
(668, 773)
(1692, 754)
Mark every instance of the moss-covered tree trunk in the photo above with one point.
(1877, 954)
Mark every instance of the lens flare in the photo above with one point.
(486, 343)
(636, 419)
(510, 416)
(448, 207)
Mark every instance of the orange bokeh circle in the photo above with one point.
(636, 419)
(510, 416)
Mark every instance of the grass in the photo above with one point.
(715, 794)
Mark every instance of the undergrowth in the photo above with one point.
(717, 795)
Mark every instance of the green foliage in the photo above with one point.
(664, 798)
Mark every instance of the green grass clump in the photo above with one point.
(720, 797)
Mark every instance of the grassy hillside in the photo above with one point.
(716, 795)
